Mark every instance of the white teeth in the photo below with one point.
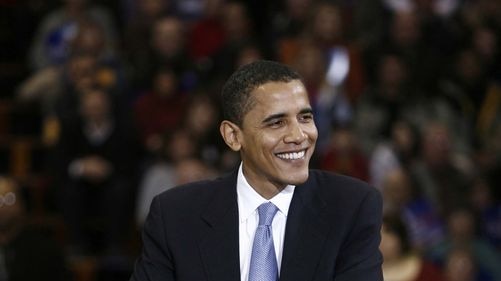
(292, 155)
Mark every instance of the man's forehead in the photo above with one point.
(279, 87)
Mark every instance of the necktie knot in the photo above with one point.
(266, 212)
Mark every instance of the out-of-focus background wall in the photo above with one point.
(106, 103)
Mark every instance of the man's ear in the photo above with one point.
(230, 133)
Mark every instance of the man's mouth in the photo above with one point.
(292, 155)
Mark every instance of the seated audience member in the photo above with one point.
(401, 197)
(27, 252)
(56, 31)
(97, 154)
(399, 152)
(160, 109)
(488, 210)
(201, 123)
(440, 171)
(461, 266)
(462, 233)
(389, 98)
(343, 155)
(161, 174)
(167, 46)
(401, 262)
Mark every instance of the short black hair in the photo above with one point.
(236, 100)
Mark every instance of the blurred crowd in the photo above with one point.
(104, 104)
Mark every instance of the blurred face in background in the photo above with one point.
(202, 116)
(165, 83)
(311, 64)
(248, 54)
(152, 8)
(11, 208)
(95, 106)
(391, 246)
(468, 67)
(168, 37)
(90, 38)
(405, 28)
(461, 225)
(437, 146)
(235, 21)
(82, 71)
(403, 138)
(391, 76)
(397, 188)
(327, 23)
(460, 266)
(180, 146)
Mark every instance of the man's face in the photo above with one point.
(278, 135)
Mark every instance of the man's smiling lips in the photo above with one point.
(300, 154)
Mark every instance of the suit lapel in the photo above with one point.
(219, 242)
(306, 231)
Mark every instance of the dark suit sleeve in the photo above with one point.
(359, 258)
(155, 262)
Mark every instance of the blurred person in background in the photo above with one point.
(86, 64)
(405, 34)
(27, 251)
(441, 173)
(207, 34)
(401, 261)
(325, 28)
(239, 31)
(343, 155)
(51, 43)
(166, 48)
(290, 20)
(398, 152)
(462, 232)
(98, 154)
(388, 98)
(160, 109)
(464, 89)
(161, 174)
(201, 122)
(487, 208)
(461, 266)
(401, 198)
(139, 25)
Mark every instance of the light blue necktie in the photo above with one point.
(263, 264)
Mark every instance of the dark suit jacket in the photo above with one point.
(332, 232)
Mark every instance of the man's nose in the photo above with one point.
(295, 134)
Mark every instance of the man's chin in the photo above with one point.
(298, 178)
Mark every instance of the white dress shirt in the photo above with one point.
(248, 201)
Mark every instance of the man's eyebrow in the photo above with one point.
(268, 119)
(273, 117)
(306, 110)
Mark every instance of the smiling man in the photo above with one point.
(273, 218)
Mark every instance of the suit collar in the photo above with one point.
(219, 242)
(306, 232)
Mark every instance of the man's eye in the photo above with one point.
(306, 117)
(276, 123)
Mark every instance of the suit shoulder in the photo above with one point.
(190, 192)
(340, 184)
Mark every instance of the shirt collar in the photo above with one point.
(249, 199)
